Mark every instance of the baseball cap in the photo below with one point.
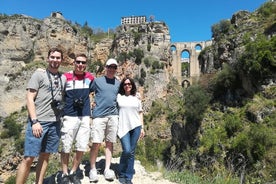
(111, 62)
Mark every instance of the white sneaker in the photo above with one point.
(93, 175)
(109, 175)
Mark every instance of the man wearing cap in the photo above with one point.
(105, 119)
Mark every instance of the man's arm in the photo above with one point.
(31, 95)
(37, 128)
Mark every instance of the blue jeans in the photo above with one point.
(129, 143)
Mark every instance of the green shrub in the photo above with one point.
(148, 47)
(187, 177)
(123, 56)
(233, 124)
(212, 139)
(95, 67)
(137, 37)
(141, 81)
(221, 28)
(13, 129)
(149, 153)
(254, 142)
(223, 81)
(196, 100)
(11, 180)
(184, 67)
(157, 109)
(143, 73)
(138, 54)
(258, 61)
(155, 64)
(184, 177)
(147, 62)
(267, 9)
(19, 145)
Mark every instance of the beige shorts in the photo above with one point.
(75, 130)
(104, 129)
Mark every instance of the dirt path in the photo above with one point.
(141, 176)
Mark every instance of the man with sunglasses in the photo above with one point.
(76, 120)
(105, 119)
(44, 104)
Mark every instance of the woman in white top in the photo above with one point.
(130, 127)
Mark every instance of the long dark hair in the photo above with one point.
(133, 89)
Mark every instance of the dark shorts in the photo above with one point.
(47, 143)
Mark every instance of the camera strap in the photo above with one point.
(51, 82)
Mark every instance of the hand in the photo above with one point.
(142, 134)
(37, 130)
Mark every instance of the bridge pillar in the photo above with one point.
(194, 66)
(176, 64)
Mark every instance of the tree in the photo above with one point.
(139, 54)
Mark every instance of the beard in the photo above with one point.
(54, 65)
(80, 69)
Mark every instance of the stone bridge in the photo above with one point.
(185, 63)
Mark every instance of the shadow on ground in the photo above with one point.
(81, 173)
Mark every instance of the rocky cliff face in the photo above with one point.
(154, 40)
(25, 40)
(229, 42)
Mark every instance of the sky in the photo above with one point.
(187, 20)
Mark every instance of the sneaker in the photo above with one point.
(122, 180)
(129, 182)
(93, 175)
(65, 179)
(109, 175)
(74, 178)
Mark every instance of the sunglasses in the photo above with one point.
(112, 67)
(81, 62)
(127, 84)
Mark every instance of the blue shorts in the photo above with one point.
(47, 143)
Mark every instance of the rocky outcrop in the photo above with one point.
(152, 37)
(25, 40)
(229, 40)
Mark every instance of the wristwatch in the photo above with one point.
(34, 121)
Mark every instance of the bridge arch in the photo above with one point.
(185, 55)
(185, 83)
(173, 48)
(198, 48)
(185, 63)
(194, 49)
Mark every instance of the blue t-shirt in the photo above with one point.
(106, 91)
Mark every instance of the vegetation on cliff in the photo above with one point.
(221, 130)
(225, 130)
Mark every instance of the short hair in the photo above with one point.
(80, 55)
(55, 49)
